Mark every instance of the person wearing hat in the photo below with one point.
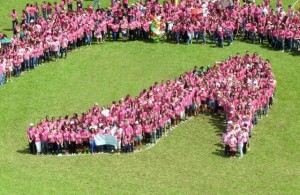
(30, 137)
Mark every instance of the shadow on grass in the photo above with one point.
(217, 121)
(24, 151)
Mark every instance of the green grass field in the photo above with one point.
(188, 161)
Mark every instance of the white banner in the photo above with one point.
(105, 140)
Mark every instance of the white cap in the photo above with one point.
(31, 124)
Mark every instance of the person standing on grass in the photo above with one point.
(72, 142)
(55, 48)
(44, 9)
(67, 139)
(126, 142)
(78, 138)
(281, 38)
(37, 141)
(2, 73)
(98, 34)
(51, 142)
(115, 30)
(138, 135)
(14, 18)
(44, 140)
(30, 137)
(59, 142)
(124, 29)
(17, 65)
(26, 59)
(92, 140)
(289, 39)
(70, 5)
(245, 139)
(118, 135)
(79, 5)
(225, 139)
(9, 70)
(125, 3)
(96, 4)
(64, 46)
(190, 32)
(240, 142)
(147, 132)
(232, 144)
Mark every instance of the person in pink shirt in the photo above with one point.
(147, 131)
(115, 30)
(44, 140)
(66, 138)
(125, 3)
(233, 145)
(225, 140)
(126, 142)
(137, 129)
(190, 32)
(118, 135)
(44, 9)
(281, 38)
(72, 141)
(30, 137)
(98, 34)
(55, 48)
(64, 46)
(17, 65)
(92, 140)
(78, 138)
(70, 5)
(14, 18)
(37, 141)
(59, 142)
(289, 39)
(51, 142)
(124, 29)
(240, 142)
(85, 139)
(26, 59)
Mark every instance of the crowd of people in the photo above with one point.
(47, 32)
(241, 88)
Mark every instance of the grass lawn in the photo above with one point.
(297, 5)
(188, 161)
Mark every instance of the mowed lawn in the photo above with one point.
(189, 161)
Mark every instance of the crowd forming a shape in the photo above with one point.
(240, 88)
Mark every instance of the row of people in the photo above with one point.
(41, 39)
(239, 88)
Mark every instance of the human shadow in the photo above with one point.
(24, 151)
(217, 121)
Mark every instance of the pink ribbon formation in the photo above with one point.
(240, 89)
